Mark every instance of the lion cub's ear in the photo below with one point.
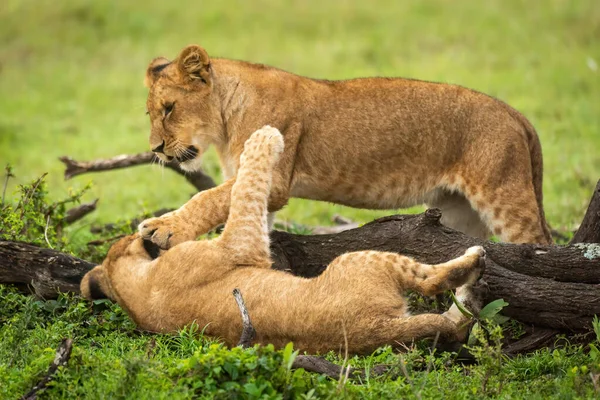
(156, 65)
(193, 64)
(93, 286)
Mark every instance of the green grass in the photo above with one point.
(71, 84)
(71, 78)
(113, 360)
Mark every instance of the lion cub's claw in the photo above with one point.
(165, 231)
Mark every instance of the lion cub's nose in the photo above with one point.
(160, 148)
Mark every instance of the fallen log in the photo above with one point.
(550, 286)
(47, 271)
(555, 287)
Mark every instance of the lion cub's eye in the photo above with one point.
(168, 108)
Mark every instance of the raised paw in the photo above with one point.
(479, 266)
(475, 250)
(166, 231)
(265, 136)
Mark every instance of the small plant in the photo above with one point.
(34, 219)
(37, 220)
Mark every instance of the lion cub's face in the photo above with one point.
(125, 256)
(184, 116)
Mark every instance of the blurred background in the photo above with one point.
(71, 77)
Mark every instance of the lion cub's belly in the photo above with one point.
(386, 191)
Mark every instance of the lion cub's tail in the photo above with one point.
(537, 165)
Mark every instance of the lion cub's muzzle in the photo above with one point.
(189, 154)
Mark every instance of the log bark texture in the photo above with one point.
(555, 287)
(46, 271)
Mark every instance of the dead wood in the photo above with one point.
(248, 331)
(589, 230)
(73, 168)
(320, 365)
(537, 338)
(133, 223)
(63, 353)
(46, 271)
(76, 213)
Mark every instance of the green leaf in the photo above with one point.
(460, 306)
(492, 309)
(472, 338)
(500, 319)
(289, 355)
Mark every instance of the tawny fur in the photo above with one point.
(377, 143)
(358, 297)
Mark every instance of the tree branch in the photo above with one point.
(63, 353)
(248, 331)
(589, 230)
(76, 213)
(73, 168)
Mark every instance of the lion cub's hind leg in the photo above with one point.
(246, 233)
(437, 278)
(460, 273)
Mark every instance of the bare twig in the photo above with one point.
(345, 370)
(341, 220)
(248, 331)
(327, 230)
(99, 242)
(9, 175)
(46, 232)
(29, 194)
(63, 353)
(76, 213)
(198, 179)
(321, 366)
(133, 223)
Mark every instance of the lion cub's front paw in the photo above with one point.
(479, 263)
(475, 250)
(166, 231)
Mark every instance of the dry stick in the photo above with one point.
(198, 179)
(76, 213)
(9, 175)
(29, 194)
(589, 230)
(63, 353)
(248, 331)
(309, 363)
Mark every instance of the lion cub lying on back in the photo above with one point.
(358, 295)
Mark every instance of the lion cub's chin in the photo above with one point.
(192, 165)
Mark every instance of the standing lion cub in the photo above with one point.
(377, 143)
(358, 297)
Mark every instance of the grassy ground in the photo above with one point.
(71, 83)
